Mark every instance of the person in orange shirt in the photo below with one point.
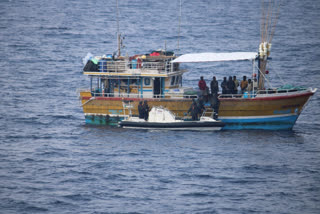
(244, 84)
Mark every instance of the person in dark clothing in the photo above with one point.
(207, 93)
(194, 110)
(224, 85)
(201, 107)
(215, 103)
(141, 110)
(214, 86)
(236, 85)
(146, 110)
(230, 86)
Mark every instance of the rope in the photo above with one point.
(280, 78)
(92, 98)
(270, 11)
(267, 79)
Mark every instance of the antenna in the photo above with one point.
(118, 31)
(179, 28)
(165, 45)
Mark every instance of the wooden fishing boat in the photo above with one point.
(263, 109)
(116, 80)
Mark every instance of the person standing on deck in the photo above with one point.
(194, 110)
(255, 83)
(146, 110)
(214, 86)
(201, 107)
(141, 110)
(244, 84)
(202, 86)
(215, 103)
(230, 86)
(224, 85)
(250, 86)
(236, 82)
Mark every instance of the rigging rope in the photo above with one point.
(270, 10)
(279, 77)
(264, 76)
(269, 16)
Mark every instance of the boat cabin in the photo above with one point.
(141, 76)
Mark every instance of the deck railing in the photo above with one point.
(233, 95)
(123, 66)
(278, 91)
(135, 95)
(261, 93)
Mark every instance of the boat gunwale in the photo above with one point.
(136, 99)
(242, 99)
(277, 97)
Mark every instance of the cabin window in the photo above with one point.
(125, 82)
(177, 80)
(173, 80)
(133, 81)
(175, 67)
(146, 81)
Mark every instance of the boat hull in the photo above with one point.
(282, 122)
(270, 112)
(273, 112)
(186, 125)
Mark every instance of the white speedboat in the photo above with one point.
(161, 118)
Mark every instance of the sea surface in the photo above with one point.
(52, 162)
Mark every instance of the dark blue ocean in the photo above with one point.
(52, 162)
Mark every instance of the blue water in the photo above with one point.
(51, 162)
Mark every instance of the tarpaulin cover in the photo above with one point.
(90, 66)
(216, 57)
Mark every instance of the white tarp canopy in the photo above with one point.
(216, 57)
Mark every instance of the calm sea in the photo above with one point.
(52, 162)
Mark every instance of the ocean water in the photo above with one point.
(52, 162)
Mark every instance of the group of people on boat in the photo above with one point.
(248, 85)
(229, 86)
(143, 109)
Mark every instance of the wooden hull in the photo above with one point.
(274, 112)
